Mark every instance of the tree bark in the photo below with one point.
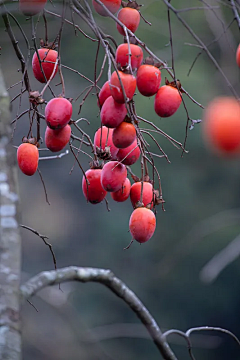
(10, 241)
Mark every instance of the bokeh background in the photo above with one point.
(202, 217)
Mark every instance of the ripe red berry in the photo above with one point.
(167, 101)
(147, 193)
(122, 57)
(221, 126)
(130, 154)
(142, 224)
(113, 176)
(112, 5)
(104, 93)
(124, 135)
(31, 7)
(148, 79)
(129, 83)
(56, 140)
(123, 193)
(49, 58)
(238, 56)
(103, 138)
(58, 112)
(112, 113)
(130, 18)
(27, 157)
(93, 192)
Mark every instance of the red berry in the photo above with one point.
(104, 93)
(148, 79)
(56, 140)
(27, 157)
(112, 113)
(130, 18)
(122, 55)
(238, 56)
(130, 154)
(48, 57)
(103, 138)
(113, 176)
(112, 5)
(31, 7)
(123, 193)
(142, 224)
(167, 101)
(147, 193)
(58, 112)
(124, 135)
(221, 126)
(129, 83)
(93, 192)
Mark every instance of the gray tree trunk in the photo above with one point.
(10, 242)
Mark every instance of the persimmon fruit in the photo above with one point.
(142, 224)
(238, 56)
(122, 194)
(27, 158)
(124, 135)
(31, 7)
(129, 84)
(130, 18)
(148, 79)
(147, 193)
(113, 176)
(122, 56)
(112, 6)
(58, 112)
(93, 191)
(103, 138)
(104, 93)
(48, 59)
(112, 113)
(56, 140)
(167, 101)
(130, 154)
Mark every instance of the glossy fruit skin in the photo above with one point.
(148, 80)
(45, 55)
(93, 192)
(121, 56)
(129, 83)
(112, 5)
(131, 155)
(123, 193)
(167, 101)
(142, 224)
(101, 137)
(56, 140)
(135, 193)
(221, 126)
(104, 93)
(58, 112)
(124, 135)
(27, 157)
(238, 56)
(130, 18)
(113, 176)
(31, 7)
(112, 113)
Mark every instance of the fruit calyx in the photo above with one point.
(35, 98)
(95, 165)
(131, 4)
(103, 154)
(132, 40)
(31, 140)
(48, 45)
(176, 84)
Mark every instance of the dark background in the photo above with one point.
(86, 321)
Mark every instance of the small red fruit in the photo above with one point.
(58, 112)
(27, 157)
(103, 138)
(142, 224)
(130, 18)
(31, 7)
(113, 176)
(49, 58)
(112, 113)
(167, 101)
(56, 140)
(112, 5)
(147, 193)
(148, 79)
(221, 126)
(238, 56)
(104, 93)
(129, 83)
(124, 135)
(122, 56)
(130, 154)
(93, 192)
(123, 193)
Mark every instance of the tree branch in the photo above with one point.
(107, 278)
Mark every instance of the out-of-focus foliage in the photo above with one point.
(85, 321)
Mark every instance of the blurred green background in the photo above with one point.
(86, 321)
